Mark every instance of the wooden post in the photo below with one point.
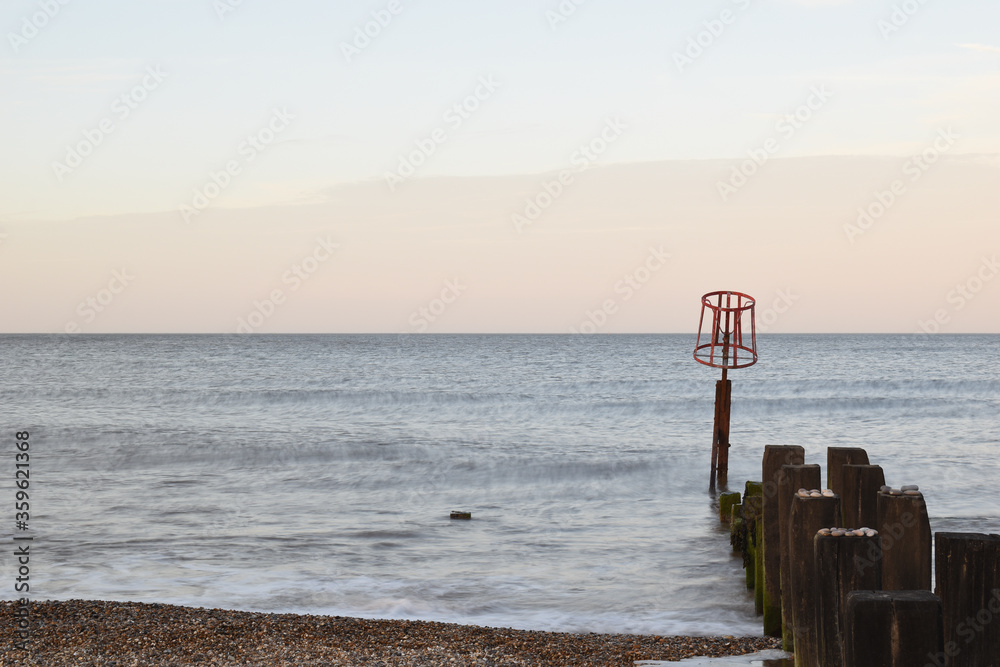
(861, 485)
(840, 456)
(843, 564)
(737, 528)
(968, 583)
(753, 514)
(892, 628)
(758, 584)
(751, 517)
(805, 517)
(775, 456)
(906, 542)
(726, 502)
(794, 478)
(720, 437)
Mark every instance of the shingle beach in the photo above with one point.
(126, 634)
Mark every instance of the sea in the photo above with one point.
(316, 474)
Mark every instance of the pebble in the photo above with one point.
(895, 492)
(828, 493)
(815, 494)
(885, 489)
(909, 487)
(911, 493)
(90, 632)
(849, 532)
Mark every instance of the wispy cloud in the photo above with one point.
(981, 47)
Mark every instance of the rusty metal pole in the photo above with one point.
(720, 432)
(720, 443)
(725, 349)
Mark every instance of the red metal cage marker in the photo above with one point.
(726, 346)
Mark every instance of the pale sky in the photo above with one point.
(545, 166)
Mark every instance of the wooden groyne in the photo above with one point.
(843, 574)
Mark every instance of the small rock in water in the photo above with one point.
(909, 487)
(464, 516)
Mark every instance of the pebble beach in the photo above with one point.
(127, 634)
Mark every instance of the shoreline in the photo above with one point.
(95, 632)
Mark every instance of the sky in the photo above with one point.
(435, 166)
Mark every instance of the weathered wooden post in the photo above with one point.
(836, 457)
(751, 517)
(793, 478)
(726, 502)
(891, 628)
(775, 456)
(843, 564)
(725, 348)
(758, 584)
(968, 583)
(861, 484)
(806, 516)
(906, 539)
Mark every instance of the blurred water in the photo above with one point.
(315, 474)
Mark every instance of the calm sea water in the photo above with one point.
(315, 474)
